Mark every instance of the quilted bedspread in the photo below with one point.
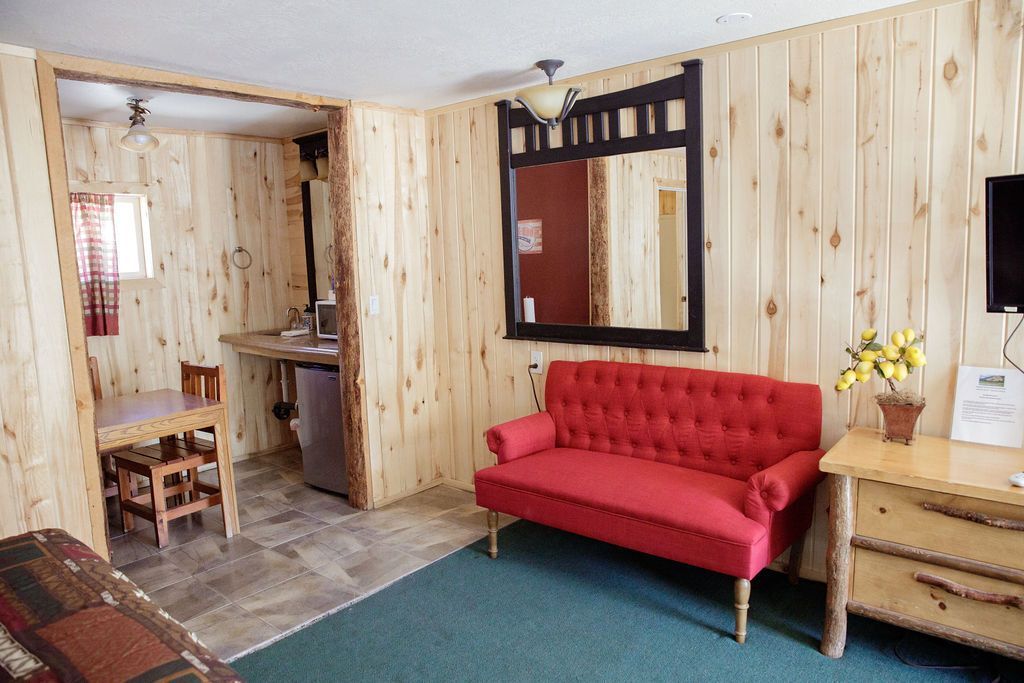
(68, 615)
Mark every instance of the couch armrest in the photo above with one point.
(777, 487)
(521, 437)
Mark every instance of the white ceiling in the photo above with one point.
(106, 102)
(402, 52)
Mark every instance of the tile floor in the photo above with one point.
(301, 553)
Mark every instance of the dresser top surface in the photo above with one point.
(931, 462)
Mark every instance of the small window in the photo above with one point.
(131, 228)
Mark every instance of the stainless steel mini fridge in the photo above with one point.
(320, 435)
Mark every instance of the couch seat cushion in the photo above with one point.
(698, 503)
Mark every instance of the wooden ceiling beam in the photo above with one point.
(100, 71)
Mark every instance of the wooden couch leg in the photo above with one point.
(741, 593)
(492, 534)
(796, 557)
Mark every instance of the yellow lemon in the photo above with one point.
(899, 373)
(869, 334)
(842, 386)
(890, 352)
(916, 359)
(887, 368)
(863, 377)
(909, 335)
(898, 339)
(849, 377)
(864, 368)
(869, 356)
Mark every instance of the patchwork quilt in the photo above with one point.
(68, 615)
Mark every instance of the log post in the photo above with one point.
(837, 564)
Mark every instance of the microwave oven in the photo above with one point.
(327, 319)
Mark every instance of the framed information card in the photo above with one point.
(989, 406)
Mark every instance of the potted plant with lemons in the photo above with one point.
(892, 362)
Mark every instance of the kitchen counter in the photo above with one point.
(307, 348)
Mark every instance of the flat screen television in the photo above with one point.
(1004, 243)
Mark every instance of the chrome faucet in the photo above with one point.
(293, 322)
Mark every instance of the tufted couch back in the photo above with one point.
(719, 422)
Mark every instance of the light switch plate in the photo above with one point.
(537, 358)
(374, 305)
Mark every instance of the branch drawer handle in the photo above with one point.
(976, 517)
(963, 591)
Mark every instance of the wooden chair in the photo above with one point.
(167, 463)
(106, 458)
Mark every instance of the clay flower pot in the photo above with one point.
(900, 419)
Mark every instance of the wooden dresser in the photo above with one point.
(929, 537)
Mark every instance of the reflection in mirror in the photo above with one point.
(323, 235)
(603, 242)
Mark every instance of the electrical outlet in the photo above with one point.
(374, 305)
(537, 358)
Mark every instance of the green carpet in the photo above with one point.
(556, 606)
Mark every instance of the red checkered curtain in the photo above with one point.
(96, 248)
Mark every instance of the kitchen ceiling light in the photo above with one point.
(549, 103)
(138, 138)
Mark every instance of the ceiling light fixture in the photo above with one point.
(549, 103)
(138, 138)
(735, 18)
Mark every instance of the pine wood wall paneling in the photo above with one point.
(952, 108)
(874, 139)
(911, 150)
(297, 281)
(43, 481)
(405, 415)
(717, 243)
(744, 181)
(996, 104)
(207, 194)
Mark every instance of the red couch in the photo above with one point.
(713, 469)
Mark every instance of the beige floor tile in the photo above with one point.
(267, 480)
(154, 572)
(249, 467)
(434, 539)
(209, 552)
(182, 530)
(297, 600)
(473, 517)
(281, 528)
(126, 549)
(188, 599)
(435, 501)
(367, 570)
(259, 571)
(258, 507)
(380, 524)
(290, 459)
(327, 507)
(320, 547)
(230, 630)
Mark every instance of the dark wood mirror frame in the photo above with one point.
(310, 146)
(592, 130)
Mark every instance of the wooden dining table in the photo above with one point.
(122, 421)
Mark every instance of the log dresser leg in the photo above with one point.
(492, 534)
(837, 564)
(741, 596)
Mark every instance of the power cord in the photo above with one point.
(533, 366)
(1016, 327)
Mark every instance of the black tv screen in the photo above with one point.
(1004, 243)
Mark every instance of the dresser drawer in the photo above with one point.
(957, 525)
(922, 590)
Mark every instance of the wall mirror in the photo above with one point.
(603, 241)
(316, 214)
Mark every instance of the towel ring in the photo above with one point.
(235, 258)
(329, 253)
